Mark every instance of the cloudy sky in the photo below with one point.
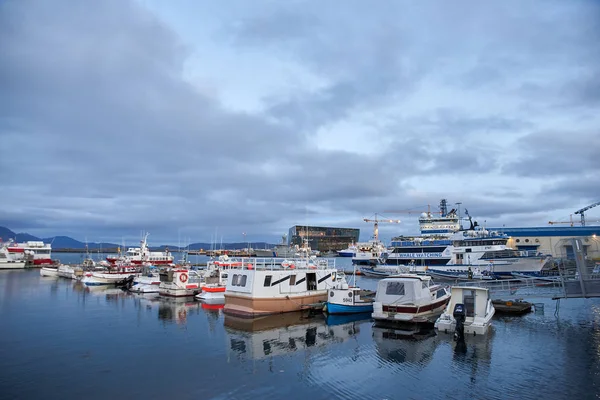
(195, 119)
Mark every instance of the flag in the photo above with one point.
(466, 212)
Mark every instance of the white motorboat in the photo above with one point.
(476, 305)
(148, 283)
(109, 277)
(409, 298)
(69, 272)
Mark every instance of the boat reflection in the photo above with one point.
(177, 310)
(405, 346)
(276, 335)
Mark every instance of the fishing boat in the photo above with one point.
(409, 298)
(215, 281)
(269, 286)
(146, 283)
(69, 271)
(179, 283)
(142, 254)
(477, 306)
(345, 299)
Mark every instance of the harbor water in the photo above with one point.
(61, 340)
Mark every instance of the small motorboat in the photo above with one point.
(345, 299)
(517, 307)
(474, 306)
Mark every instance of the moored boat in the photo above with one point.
(179, 283)
(345, 299)
(409, 298)
(33, 252)
(265, 288)
(49, 271)
(475, 307)
(112, 276)
(9, 261)
(142, 254)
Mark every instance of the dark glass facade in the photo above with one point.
(323, 238)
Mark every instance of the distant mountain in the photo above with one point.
(66, 242)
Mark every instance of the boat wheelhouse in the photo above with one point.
(265, 286)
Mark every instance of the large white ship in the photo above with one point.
(34, 252)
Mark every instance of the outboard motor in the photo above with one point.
(460, 314)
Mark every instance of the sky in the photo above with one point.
(204, 120)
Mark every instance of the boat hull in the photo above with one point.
(45, 271)
(12, 265)
(244, 306)
(333, 308)
(402, 313)
(95, 279)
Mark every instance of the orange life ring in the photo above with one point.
(183, 278)
(292, 266)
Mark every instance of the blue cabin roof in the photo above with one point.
(551, 231)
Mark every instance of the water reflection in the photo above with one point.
(177, 310)
(276, 335)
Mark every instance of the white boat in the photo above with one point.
(350, 251)
(409, 298)
(179, 282)
(470, 274)
(266, 287)
(384, 271)
(142, 254)
(477, 307)
(69, 272)
(49, 271)
(109, 277)
(146, 283)
(34, 252)
(373, 252)
(8, 260)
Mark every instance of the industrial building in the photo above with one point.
(323, 238)
(555, 240)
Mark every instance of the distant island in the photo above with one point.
(66, 243)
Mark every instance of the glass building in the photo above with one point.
(323, 238)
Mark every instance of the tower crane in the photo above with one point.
(376, 222)
(584, 209)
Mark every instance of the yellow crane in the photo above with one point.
(376, 222)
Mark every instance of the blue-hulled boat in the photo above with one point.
(345, 299)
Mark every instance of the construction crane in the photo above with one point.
(443, 210)
(376, 222)
(584, 209)
(564, 222)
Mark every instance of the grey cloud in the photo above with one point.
(106, 137)
(556, 153)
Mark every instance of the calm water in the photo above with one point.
(61, 340)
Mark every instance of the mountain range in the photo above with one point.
(66, 242)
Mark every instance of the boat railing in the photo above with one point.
(273, 263)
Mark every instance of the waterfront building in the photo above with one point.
(323, 238)
(555, 240)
